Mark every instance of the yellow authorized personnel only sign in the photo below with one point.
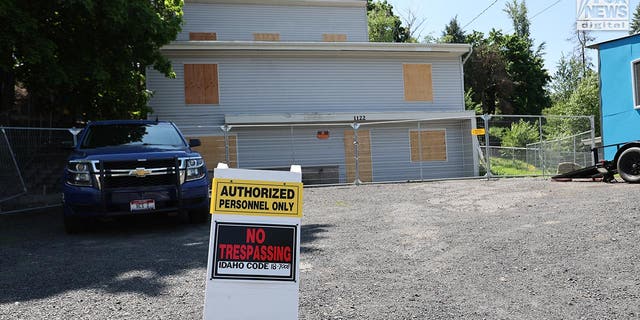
(477, 132)
(256, 198)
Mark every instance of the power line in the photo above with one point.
(479, 14)
(539, 12)
(545, 9)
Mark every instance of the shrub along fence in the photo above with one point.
(518, 145)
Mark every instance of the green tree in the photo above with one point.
(635, 21)
(507, 76)
(526, 66)
(517, 11)
(453, 32)
(486, 74)
(87, 58)
(583, 101)
(530, 78)
(384, 25)
(469, 104)
(566, 79)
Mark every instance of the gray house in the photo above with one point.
(289, 81)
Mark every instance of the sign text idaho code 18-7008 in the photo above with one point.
(254, 251)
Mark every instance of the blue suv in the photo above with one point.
(134, 167)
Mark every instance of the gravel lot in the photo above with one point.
(505, 249)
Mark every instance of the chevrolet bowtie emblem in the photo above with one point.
(139, 172)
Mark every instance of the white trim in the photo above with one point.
(314, 3)
(635, 80)
(289, 118)
(324, 47)
(446, 145)
(474, 139)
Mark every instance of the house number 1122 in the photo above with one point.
(359, 118)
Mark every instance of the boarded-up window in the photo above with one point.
(365, 166)
(201, 84)
(213, 151)
(203, 36)
(266, 36)
(418, 85)
(428, 145)
(331, 37)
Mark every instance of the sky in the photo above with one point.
(552, 21)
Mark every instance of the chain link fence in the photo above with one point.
(344, 153)
(32, 162)
(12, 185)
(32, 159)
(535, 145)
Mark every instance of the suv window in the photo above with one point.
(131, 134)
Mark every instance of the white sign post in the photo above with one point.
(254, 248)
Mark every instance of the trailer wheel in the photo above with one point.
(629, 165)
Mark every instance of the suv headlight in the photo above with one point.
(79, 173)
(193, 169)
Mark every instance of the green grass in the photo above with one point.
(510, 167)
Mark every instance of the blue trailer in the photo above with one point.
(619, 70)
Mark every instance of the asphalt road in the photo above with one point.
(505, 249)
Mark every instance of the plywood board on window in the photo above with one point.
(428, 145)
(213, 151)
(203, 36)
(201, 84)
(365, 167)
(333, 37)
(418, 83)
(266, 36)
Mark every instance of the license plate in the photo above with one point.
(138, 205)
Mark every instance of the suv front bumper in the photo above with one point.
(92, 202)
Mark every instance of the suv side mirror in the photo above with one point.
(194, 143)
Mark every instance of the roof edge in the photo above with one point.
(340, 117)
(456, 48)
(597, 45)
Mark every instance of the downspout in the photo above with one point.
(468, 55)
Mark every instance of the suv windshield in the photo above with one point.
(131, 134)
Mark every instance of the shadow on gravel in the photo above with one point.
(38, 260)
(309, 234)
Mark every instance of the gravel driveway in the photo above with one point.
(505, 249)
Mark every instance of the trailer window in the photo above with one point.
(636, 84)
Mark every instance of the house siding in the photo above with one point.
(238, 22)
(299, 85)
(391, 152)
(280, 147)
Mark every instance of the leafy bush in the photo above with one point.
(521, 134)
